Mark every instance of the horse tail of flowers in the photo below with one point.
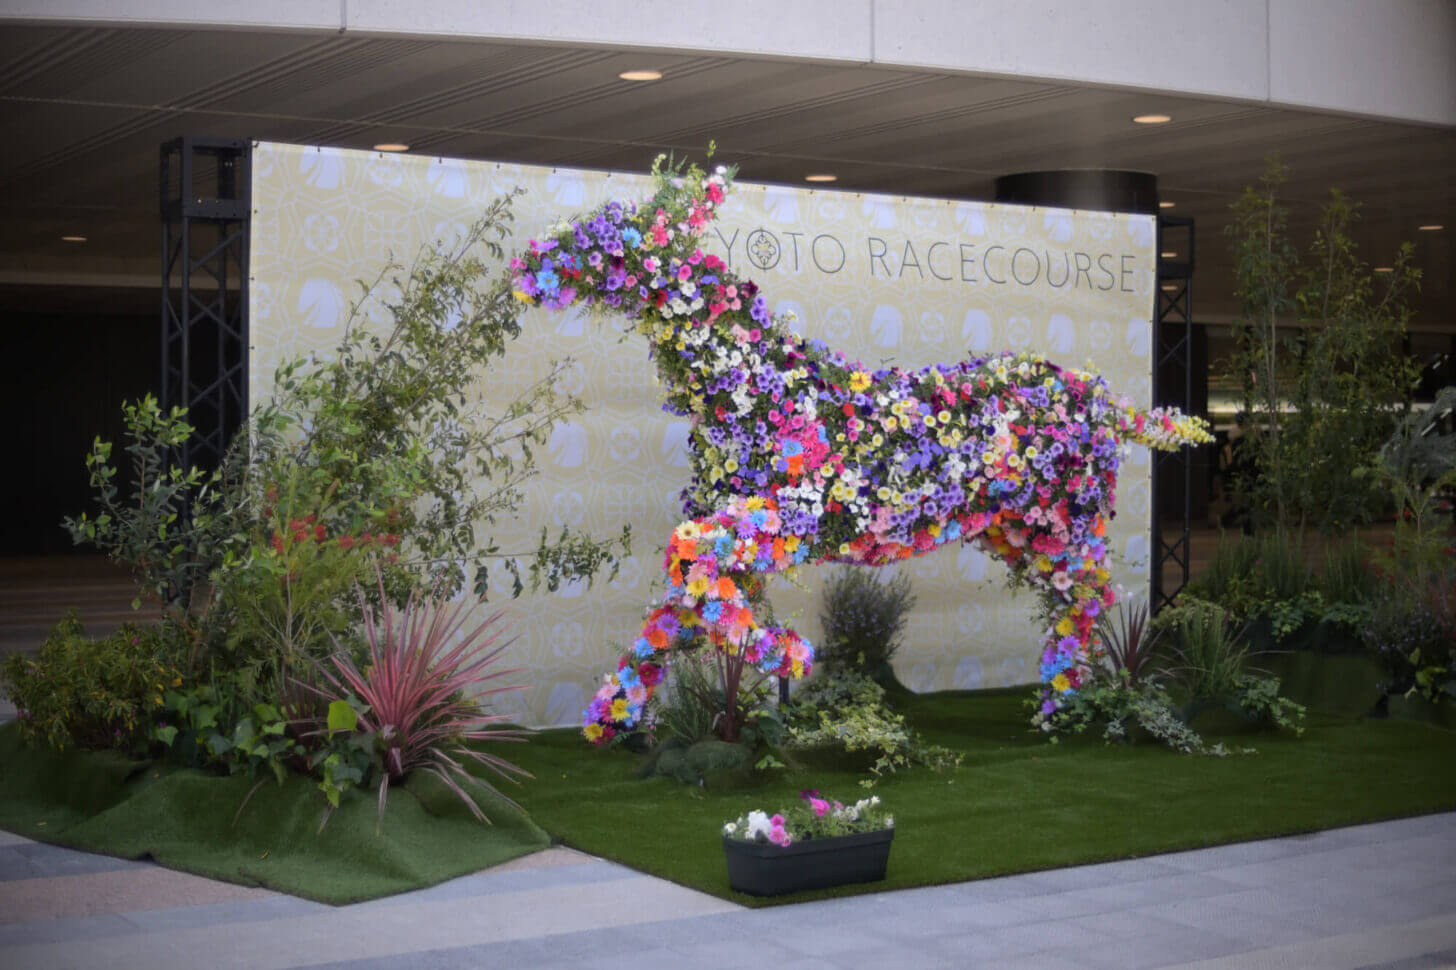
(1164, 429)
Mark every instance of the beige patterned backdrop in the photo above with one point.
(882, 278)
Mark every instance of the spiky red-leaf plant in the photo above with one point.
(422, 686)
(1129, 640)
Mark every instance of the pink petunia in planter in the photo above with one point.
(814, 845)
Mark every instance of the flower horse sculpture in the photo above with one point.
(801, 456)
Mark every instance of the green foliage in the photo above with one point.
(287, 596)
(863, 618)
(93, 693)
(1347, 577)
(1412, 631)
(699, 763)
(1258, 698)
(387, 438)
(688, 723)
(1417, 466)
(1321, 334)
(1113, 702)
(393, 430)
(1210, 647)
(1266, 577)
(849, 712)
(147, 531)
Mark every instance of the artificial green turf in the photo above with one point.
(1017, 803)
(184, 819)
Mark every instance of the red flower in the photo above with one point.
(651, 674)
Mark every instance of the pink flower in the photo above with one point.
(820, 806)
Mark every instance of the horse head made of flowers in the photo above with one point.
(802, 456)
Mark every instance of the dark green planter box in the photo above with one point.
(1417, 708)
(765, 869)
(1334, 683)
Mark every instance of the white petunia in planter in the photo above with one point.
(814, 845)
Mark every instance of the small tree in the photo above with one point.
(1318, 357)
(387, 445)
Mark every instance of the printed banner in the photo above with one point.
(885, 279)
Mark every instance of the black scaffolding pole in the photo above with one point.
(205, 202)
(1173, 386)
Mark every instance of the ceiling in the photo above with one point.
(85, 109)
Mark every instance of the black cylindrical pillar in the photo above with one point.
(1082, 188)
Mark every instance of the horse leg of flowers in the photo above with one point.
(716, 566)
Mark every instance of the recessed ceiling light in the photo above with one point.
(1385, 269)
(391, 146)
(1169, 255)
(1169, 287)
(821, 177)
(73, 239)
(1152, 119)
(642, 75)
(1431, 228)
(1166, 205)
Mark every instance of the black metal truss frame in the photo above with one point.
(1173, 385)
(206, 186)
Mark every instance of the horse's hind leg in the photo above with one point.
(1079, 590)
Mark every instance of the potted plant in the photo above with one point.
(814, 845)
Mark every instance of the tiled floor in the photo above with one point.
(1372, 897)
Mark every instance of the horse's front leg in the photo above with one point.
(716, 567)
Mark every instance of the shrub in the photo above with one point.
(1347, 576)
(382, 438)
(1113, 702)
(688, 722)
(1412, 631)
(93, 693)
(420, 694)
(863, 618)
(849, 712)
(1211, 650)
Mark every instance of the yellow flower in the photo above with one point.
(521, 295)
(731, 465)
(592, 731)
(1064, 627)
(619, 709)
(755, 503)
(859, 381)
(1061, 684)
(699, 586)
(943, 417)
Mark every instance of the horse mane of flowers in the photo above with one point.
(802, 456)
